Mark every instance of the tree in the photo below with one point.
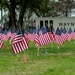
(12, 13)
(42, 8)
(22, 10)
(12, 5)
(64, 7)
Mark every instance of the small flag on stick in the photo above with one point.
(1, 41)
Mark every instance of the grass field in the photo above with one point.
(52, 59)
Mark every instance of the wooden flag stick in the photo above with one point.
(45, 48)
(38, 51)
(52, 46)
(5, 47)
(25, 57)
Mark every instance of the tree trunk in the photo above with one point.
(12, 14)
(66, 13)
(9, 21)
(23, 7)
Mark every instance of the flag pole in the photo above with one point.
(37, 44)
(46, 50)
(5, 47)
(52, 40)
(52, 46)
(25, 57)
(38, 51)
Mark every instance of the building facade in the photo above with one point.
(60, 22)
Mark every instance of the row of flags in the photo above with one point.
(41, 37)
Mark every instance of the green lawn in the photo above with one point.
(52, 59)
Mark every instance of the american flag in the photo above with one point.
(70, 34)
(26, 37)
(73, 34)
(41, 38)
(37, 40)
(1, 41)
(64, 34)
(52, 36)
(12, 37)
(58, 38)
(9, 33)
(19, 44)
(25, 43)
(47, 38)
(5, 36)
(31, 37)
(44, 37)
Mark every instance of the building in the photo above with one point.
(66, 22)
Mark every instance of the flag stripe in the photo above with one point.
(1, 41)
(25, 43)
(19, 44)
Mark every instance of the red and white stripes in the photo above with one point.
(1, 41)
(19, 44)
